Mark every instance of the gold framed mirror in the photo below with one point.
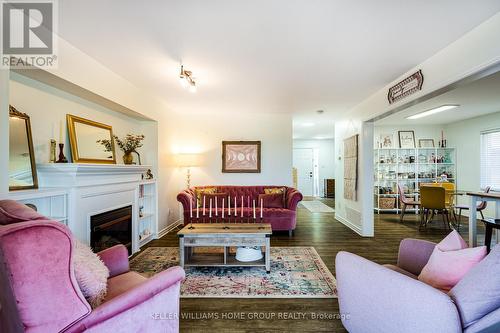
(22, 166)
(85, 136)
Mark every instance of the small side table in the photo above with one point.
(490, 224)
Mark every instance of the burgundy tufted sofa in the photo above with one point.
(281, 219)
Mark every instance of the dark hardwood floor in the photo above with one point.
(328, 236)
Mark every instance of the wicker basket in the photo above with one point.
(387, 203)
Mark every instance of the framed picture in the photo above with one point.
(241, 156)
(386, 140)
(84, 137)
(406, 139)
(426, 143)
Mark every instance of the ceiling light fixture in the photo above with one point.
(187, 80)
(433, 111)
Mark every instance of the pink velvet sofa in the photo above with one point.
(281, 219)
(39, 292)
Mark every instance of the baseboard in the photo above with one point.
(348, 224)
(169, 228)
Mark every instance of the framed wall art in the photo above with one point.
(351, 167)
(425, 143)
(241, 156)
(406, 139)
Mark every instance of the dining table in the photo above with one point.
(474, 198)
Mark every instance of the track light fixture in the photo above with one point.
(187, 80)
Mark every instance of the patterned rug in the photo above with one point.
(316, 206)
(296, 272)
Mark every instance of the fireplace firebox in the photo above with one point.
(111, 228)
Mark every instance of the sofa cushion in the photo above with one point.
(400, 270)
(119, 284)
(271, 200)
(201, 191)
(216, 197)
(450, 261)
(91, 273)
(275, 190)
(12, 212)
(478, 293)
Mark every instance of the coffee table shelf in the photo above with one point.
(223, 235)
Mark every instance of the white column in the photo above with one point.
(472, 221)
(4, 132)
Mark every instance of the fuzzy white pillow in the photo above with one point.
(91, 273)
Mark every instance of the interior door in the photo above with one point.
(303, 162)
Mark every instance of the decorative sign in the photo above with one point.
(351, 167)
(408, 86)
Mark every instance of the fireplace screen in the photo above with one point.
(111, 228)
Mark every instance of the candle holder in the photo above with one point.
(261, 221)
(52, 151)
(62, 158)
(191, 224)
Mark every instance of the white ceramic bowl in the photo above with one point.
(247, 254)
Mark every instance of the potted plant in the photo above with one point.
(128, 145)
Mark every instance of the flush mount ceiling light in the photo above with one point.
(433, 111)
(187, 80)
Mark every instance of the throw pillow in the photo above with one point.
(91, 273)
(450, 261)
(204, 190)
(12, 212)
(478, 293)
(216, 197)
(271, 200)
(274, 190)
(277, 190)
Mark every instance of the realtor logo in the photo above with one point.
(28, 34)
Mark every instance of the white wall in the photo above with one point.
(48, 106)
(204, 133)
(326, 158)
(465, 136)
(4, 131)
(354, 213)
(470, 54)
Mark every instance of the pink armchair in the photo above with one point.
(39, 292)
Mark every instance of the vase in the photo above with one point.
(128, 158)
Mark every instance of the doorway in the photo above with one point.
(303, 162)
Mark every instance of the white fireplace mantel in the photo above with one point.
(96, 188)
(78, 175)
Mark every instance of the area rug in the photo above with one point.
(317, 206)
(296, 272)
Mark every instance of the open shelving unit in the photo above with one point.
(50, 202)
(147, 211)
(410, 168)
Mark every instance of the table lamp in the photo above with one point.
(187, 161)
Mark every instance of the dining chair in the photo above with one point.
(433, 200)
(405, 202)
(480, 207)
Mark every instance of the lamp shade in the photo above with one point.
(187, 160)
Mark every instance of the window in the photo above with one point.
(490, 159)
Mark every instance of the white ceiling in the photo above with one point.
(267, 56)
(474, 99)
(313, 125)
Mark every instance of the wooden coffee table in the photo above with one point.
(223, 235)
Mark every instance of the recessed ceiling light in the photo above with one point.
(433, 111)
